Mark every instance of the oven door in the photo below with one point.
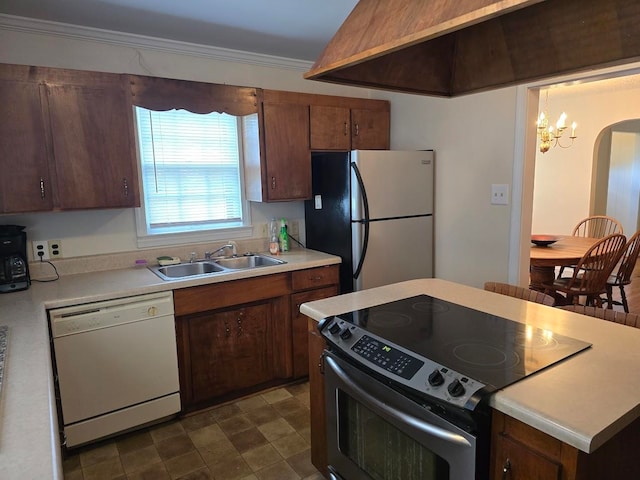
(376, 433)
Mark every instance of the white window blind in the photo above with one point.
(190, 169)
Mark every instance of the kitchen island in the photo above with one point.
(29, 442)
(584, 402)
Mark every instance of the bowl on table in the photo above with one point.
(543, 240)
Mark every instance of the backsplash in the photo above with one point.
(114, 261)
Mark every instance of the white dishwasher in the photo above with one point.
(116, 364)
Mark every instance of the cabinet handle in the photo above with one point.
(42, 191)
(125, 187)
(357, 129)
(273, 183)
(506, 470)
(346, 129)
(239, 321)
(315, 279)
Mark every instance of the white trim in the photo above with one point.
(35, 26)
(517, 181)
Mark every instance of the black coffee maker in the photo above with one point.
(14, 268)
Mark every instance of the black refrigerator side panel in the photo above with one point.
(328, 213)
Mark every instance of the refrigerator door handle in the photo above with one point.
(365, 220)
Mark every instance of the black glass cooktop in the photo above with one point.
(491, 349)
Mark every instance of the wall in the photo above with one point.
(563, 177)
(624, 180)
(473, 137)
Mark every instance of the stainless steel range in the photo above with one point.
(408, 384)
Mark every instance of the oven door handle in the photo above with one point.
(395, 413)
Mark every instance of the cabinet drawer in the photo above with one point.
(225, 294)
(314, 277)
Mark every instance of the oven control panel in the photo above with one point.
(400, 365)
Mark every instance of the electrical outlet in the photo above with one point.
(55, 249)
(40, 249)
(292, 228)
(265, 230)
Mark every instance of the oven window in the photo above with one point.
(382, 450)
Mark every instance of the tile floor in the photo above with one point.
(262, 437)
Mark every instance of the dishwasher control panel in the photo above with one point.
(91, 316)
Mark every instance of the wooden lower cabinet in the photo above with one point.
(520, 452)
(310, 284)
(231, 350)
(237, 337)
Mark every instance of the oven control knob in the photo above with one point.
(436, 379)
(345, 334)
(333, 329)
(456, 388)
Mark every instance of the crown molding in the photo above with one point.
(35, 26)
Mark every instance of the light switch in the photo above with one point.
(318, 202)
(499, 194)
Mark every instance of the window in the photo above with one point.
(191, 171)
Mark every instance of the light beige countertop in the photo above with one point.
(583, 400)
(29, 444)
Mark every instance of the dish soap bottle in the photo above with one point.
(274, 242)
(284, 236)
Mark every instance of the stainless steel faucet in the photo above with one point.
(231, 245)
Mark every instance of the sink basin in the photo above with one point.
(214, 267)
(248, 261)
(187, 270)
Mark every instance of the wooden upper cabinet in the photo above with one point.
(67, 140)
(25, 183)
(364, 125)
(287, 158)
(330, 128)
(370, 129)
(91, 127)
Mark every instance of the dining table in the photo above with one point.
(566, 251)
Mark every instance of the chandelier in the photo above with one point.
(550, 136)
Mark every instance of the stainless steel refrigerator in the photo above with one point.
(373, 208)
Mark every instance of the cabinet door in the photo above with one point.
(330, 128)
(25, 184)
(92, 144)
(288, 158)
(230, 350)
(515, 461)
(370, 129)
(299, 327)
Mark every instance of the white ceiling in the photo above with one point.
(286, 28)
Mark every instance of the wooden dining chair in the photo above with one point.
(519, 292)
(622, 276)
(595, 226)
(630, 319)
(590, 275)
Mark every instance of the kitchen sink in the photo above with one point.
(188, 269)
(248, 261)
(214, 266)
